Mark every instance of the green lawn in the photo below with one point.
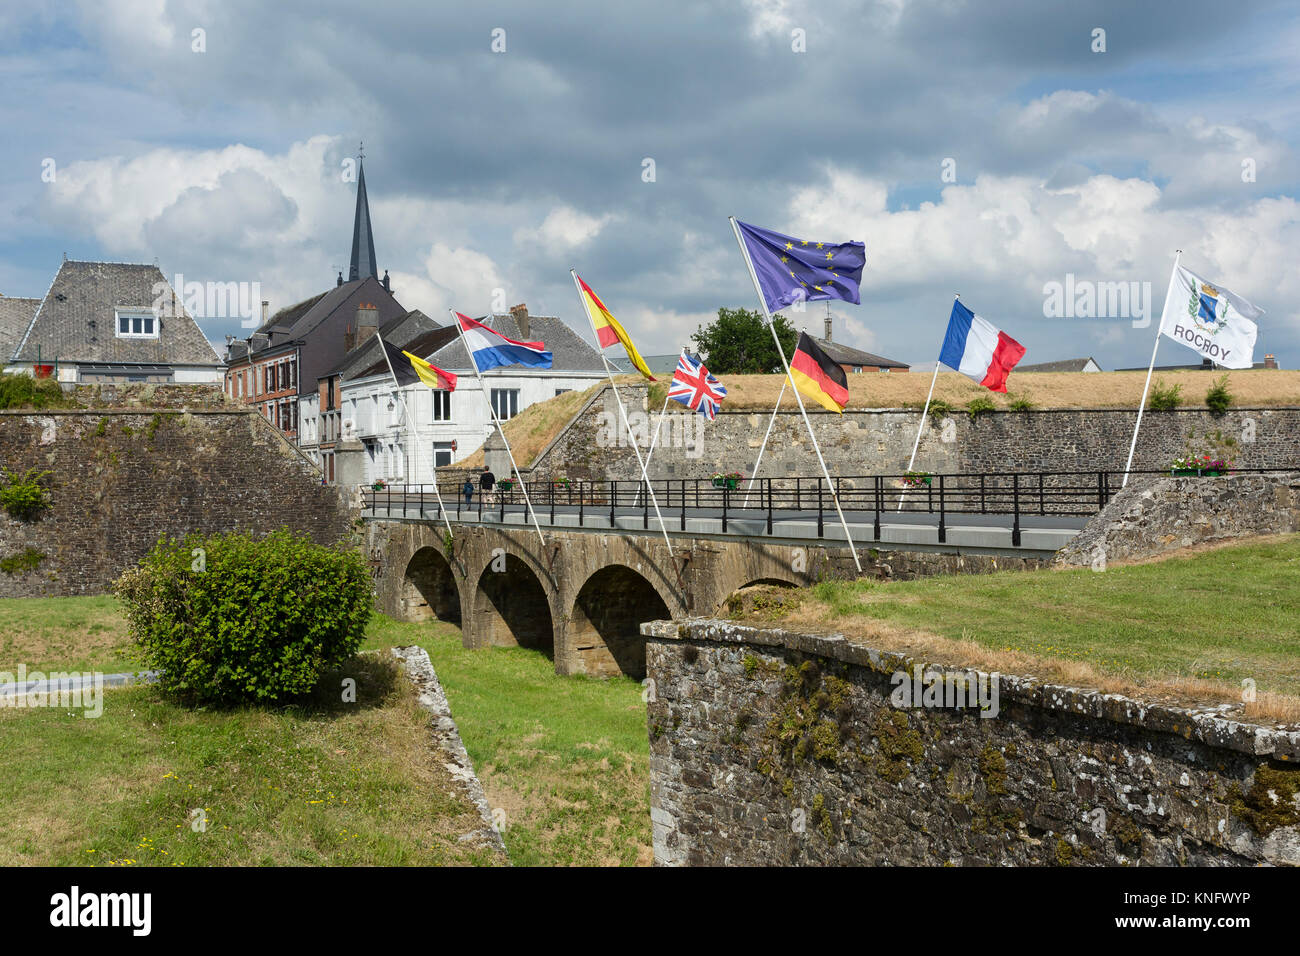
(1224, 614)
(567, 758)
(321, 783)
(69, 634)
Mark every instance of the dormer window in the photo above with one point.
(136, 324)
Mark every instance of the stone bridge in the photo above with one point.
(583, 597)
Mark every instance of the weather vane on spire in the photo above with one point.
(361, 150)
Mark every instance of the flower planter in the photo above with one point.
(1197, 472)
(732, 483)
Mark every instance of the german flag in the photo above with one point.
(817, 376)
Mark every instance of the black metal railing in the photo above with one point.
(771, 500)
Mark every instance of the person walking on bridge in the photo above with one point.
(486, 482)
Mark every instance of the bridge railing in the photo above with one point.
(772, 500)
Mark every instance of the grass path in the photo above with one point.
(566, 758)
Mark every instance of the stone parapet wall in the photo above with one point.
(124, 476)
(880, 441)
(773, 748)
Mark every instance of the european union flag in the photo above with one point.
(790, 269)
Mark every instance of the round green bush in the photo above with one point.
(231, 618)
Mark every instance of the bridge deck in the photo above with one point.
(984, 534)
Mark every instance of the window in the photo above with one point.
(136, 324)
(561, 391)
(505, 402)
(441, 406)
(441, 453)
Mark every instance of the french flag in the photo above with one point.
(493, 350)
(975, 348)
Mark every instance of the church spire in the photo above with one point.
(363, 239)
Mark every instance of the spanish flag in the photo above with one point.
(817, 376)
(409, 369)
(608, 331)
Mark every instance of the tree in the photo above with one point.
(738, 342)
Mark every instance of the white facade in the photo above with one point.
(405, 448)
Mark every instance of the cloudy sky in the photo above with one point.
(986, 148)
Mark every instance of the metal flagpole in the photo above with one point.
(663, 413)
(487, 398)
(407, 415)
(654, 499)
(925, 411)
(1178, 254)
(759, 460)
(762, 301)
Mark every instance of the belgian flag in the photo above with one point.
(817, 376)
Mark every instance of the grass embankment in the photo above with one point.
(531, 430)
(567, 758)
(1044, 390)
(324, 783)
(26, 391)
(1192, 626)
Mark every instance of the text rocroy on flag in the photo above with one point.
(694, 387)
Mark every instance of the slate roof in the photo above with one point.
(570, 351)
(415, 332)
(15, 316)
(1064, 365)
(847, 355)
(75, 321)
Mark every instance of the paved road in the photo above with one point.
(920, 530)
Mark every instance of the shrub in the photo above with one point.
(26, 391)
(1165, 398)
(25, 498)
(1218, 399)
(981, 405)
(1020, 404)
(230, 618)
(939, 410)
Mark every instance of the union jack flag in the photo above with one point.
(694, 387)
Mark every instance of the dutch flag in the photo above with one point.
(491, 349)
(977, 349)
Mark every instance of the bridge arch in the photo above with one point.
(429, 588)
(603, 630)
(511, 606)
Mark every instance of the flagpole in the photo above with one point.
(924, 411)
(497, 421)
(406, 414)
(654, 499)
(762, 301)
(1178, 254)
(761, 448)
(663, 413)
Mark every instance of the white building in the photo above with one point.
(409, 431)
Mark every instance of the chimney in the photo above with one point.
(340, 282)
(520, 314)
(367, 321)
(266, 311)
(349, 339)
(387, 285)
(1270, 361)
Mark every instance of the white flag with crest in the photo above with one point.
(1208, 318)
